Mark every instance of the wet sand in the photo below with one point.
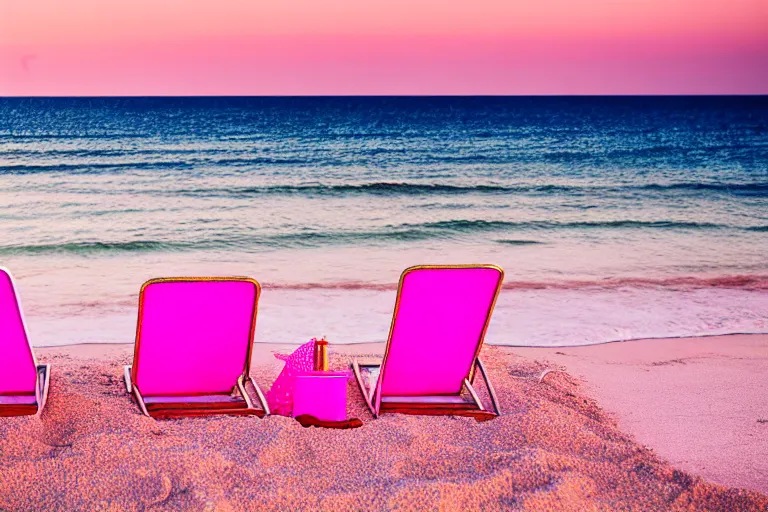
(554, 448)
(701, 403)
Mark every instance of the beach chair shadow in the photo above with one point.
(192, 355)
(23, 383)
(432, 353)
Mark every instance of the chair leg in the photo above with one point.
(361, 385)
(491, 391)
(134, 390)
(474, 394)
(262, 400)
(139, 399)
(127, 378)
(43, 383)
(243, 392)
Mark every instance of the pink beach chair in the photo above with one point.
(23, 383)
(441, 316)
(192, 355)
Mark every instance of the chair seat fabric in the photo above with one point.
(194, 335)
(18, 370)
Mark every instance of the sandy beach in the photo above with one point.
(647, 425)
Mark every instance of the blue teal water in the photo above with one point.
(661, 202)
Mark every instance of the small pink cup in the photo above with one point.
(322, 395)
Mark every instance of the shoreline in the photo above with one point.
(546, 317)
(360, 343)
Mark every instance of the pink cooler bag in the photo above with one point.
(300, 390)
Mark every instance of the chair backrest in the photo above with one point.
(18, 370)
(440, 319)
(194, 335)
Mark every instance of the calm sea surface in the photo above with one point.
(614, 218)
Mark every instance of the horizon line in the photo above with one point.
(543, 95)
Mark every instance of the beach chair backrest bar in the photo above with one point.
(441, 315)
(194, 335)
(18, 369)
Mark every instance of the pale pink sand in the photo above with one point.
(553, 449)
(701, 403)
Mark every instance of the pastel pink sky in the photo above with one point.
(318, 47)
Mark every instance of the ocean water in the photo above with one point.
(613, 217)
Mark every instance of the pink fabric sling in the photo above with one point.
(194, 337)
(18, 373)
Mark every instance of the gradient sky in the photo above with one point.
(309, 47)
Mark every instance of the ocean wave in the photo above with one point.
(206, 160)
(35, 136)
(380, 188)
(748, 189)
(440, 230)
(75, 168)
(364, 135)
(258, 161)
(485, 225)
(42, 150)
(179, 164)
(406, 189)
(518, 242)
(744, 282)
(92, 247)
(316, 238)
(749, 282)
(237, 242)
